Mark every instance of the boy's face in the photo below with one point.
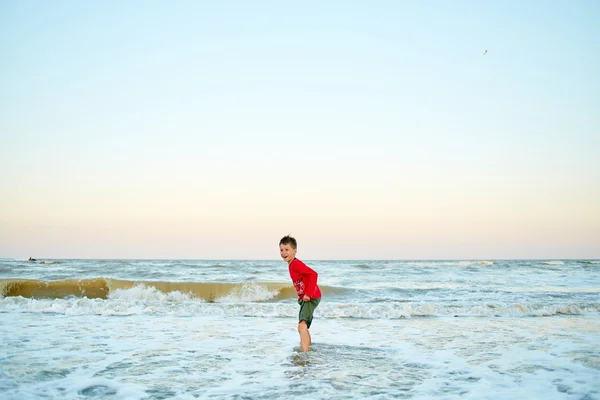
(287, 252)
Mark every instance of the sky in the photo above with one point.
(367, 130)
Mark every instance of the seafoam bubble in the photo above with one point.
(552, 262)
(248, 292)
(143, 292)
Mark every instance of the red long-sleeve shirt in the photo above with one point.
(304, 279)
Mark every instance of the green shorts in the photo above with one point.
(307, 308)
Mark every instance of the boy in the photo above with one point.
(305, 282)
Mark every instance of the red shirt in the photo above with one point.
(304, 280)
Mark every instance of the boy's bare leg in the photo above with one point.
(304, 335)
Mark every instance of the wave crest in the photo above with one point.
(143, 300)
(103, 288)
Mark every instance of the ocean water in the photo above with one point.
(185, 329)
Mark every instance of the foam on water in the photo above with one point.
(158, 329)
(137, 357)
(249, 292)
(143, 292)
(145, 300)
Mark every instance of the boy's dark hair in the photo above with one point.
(287, 239)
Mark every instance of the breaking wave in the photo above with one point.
(147, 300)
(107, 288)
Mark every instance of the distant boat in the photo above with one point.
(32, 259)
(485, 52)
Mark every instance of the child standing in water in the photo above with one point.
(305, 282)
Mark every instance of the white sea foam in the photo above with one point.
(248, 292)
(511, 329)
(138, 357)
(147, 301)
(143, 292)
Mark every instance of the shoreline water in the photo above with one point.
(157, 357)
(392, 329)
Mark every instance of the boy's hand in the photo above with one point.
(306, 298)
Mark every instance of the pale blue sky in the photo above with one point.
(186, 129)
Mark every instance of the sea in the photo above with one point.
(227, 329)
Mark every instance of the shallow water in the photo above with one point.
(159, 357)
(431, 331)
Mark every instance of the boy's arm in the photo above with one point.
(311, 278)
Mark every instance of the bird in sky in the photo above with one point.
(485, 52)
